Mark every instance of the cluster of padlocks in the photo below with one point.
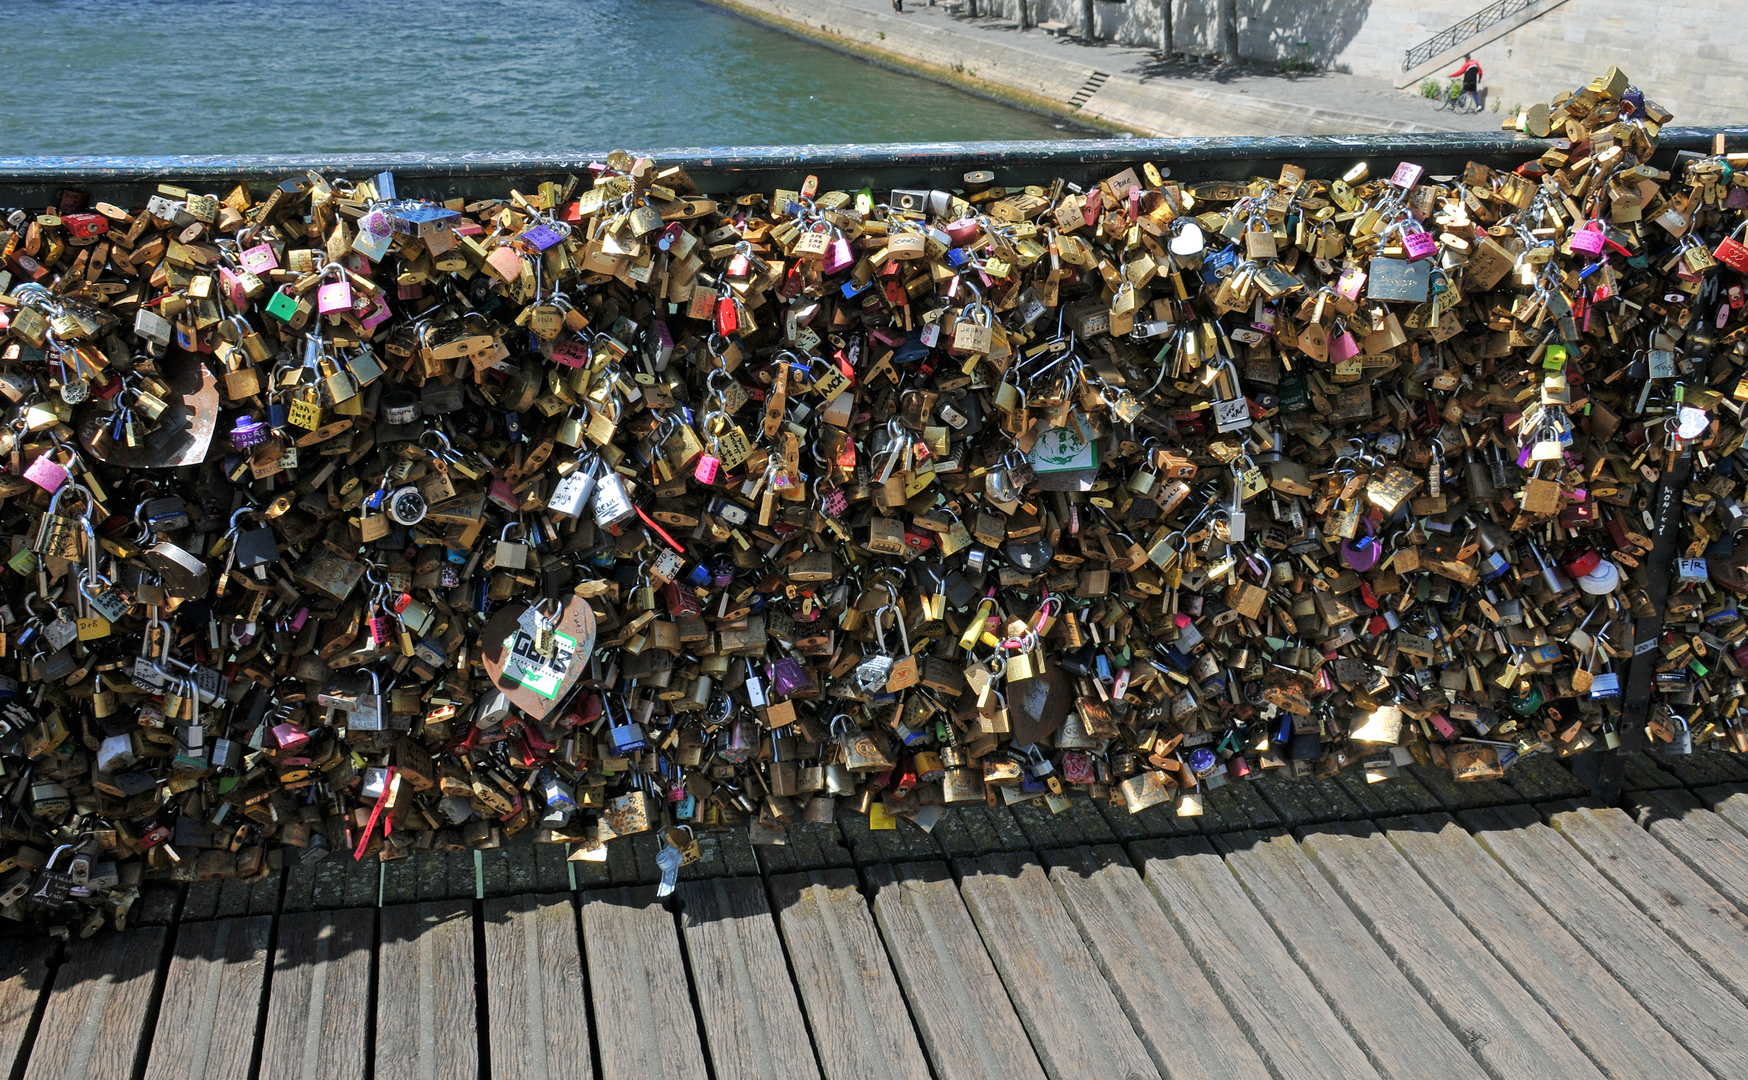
(349, 525)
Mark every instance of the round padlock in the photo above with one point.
(407, 506)
(1579, 559)
(1362, 552)
(1603, 578)
(400, 407)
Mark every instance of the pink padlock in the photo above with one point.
(1343, 346)
(376, 314)
(963, 231)
(259, 259)
(46, 473)
(289, 735)
(1588, 240)
(1418, 245)
(837, 257)
(335, 296)
(706, 469)
(499, 492)
(233, 288)
(1352, 280)
(571, 354)
(1407, 175)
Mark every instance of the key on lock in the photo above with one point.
(62, 631)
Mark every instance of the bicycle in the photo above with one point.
(1452, 99)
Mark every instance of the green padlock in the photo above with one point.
(282, 307)
(23, 563)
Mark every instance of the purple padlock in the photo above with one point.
(248, 432)
(541, 237)
(1362, 552)
(722, 571)
(788, 676)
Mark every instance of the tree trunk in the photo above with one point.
(1086, 20)
(1229, 31)
(1165, 28)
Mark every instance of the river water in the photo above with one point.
(318, 76)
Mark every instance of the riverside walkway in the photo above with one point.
(1118, 87)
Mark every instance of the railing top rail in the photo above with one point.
(33, 180)
(1450, 35)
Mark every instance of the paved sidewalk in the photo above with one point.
(1120, 87)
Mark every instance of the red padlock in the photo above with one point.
(1579, 559)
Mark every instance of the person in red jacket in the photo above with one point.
(1471, 75)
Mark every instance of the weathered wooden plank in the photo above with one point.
(967, 1023)
(401, 879)
(752, 1020)
(1455, 796)
(1406, 1038)
(24, 976)
(1155, 978)
(328, 889)
(1306, 800)
(425, 1010)
(157, 904)
(1644, 772)
(1669, 983)
(1541, 777)
(1707, 843)
(1401, 794)
(1076, 1024)
(1269, 994)
(97, 1010)
(1606, 1021)
(1665, 889)
(1702, 767)
(212, 997)
(363, 884)
(1235, 806)
(201, 901)
(846, 983)
(319, 1006)
(535, 1002)
(1043, 829)
(1457, 975)
(552, 873)
(637, 975)
(1728, 801)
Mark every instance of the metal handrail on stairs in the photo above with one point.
(1469, 27)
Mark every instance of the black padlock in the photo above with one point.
(256, 548)
(55, 884)
(555, 578)
(167, 514)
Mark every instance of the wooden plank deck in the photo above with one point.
(1296, 932)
